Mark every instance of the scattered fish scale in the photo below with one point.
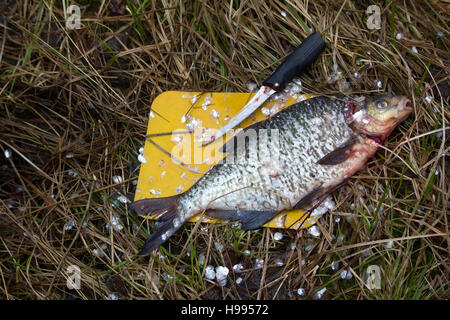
(8, 153)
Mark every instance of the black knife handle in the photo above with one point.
(303, 56)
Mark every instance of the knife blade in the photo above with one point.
(298, 60)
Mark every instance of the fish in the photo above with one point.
(293, 159)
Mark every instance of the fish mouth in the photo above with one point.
(404, 109)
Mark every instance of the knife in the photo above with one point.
(298, 60)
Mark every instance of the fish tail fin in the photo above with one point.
(151, 206)
(169, 220)
(163, 231)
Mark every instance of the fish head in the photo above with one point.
(380, 115)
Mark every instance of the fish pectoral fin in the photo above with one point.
(250, 219)
(340, 154)
(310, 197)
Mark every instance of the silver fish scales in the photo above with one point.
(293, 159)
(306, 133)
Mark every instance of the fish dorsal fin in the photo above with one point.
(340, 154)
(231, 144)
(243, 145)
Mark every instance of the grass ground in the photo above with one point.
(75, 104)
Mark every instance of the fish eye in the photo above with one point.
(382, 104)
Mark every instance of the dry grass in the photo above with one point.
(86, 93)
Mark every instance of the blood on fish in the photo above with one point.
(349, 110)
(273, 173)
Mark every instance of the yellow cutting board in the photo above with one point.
(161, 176)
